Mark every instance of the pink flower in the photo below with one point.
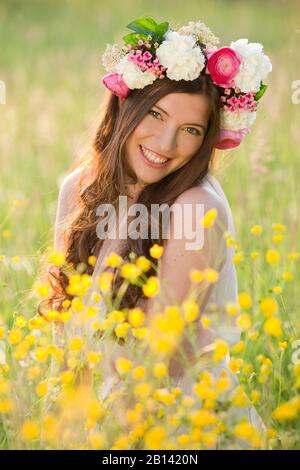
(114, 82)
(223, 65)
(230, 139)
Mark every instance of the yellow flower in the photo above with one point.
(293, 256)
(15, 336)
(272, 257)
(97, 440)
(151, 287)
(57, 258)
(123, 365)
(183, 439)
(283, 345)
(254, 255)
(287, 276)
(221, 350)
(163, 395)
(247, 431)
(203, 418)
(256, 229)
(154, 438)
(6, 233)
(287, 411)
(268, 306)
(277, 238)
(277, 290)
(238, 257)
(105, 281)
(138, 373)
(191, 310)
(136, 317)
(209, 218)
(255, 396)
(160, 370)
(278, 227)
(211, 275)
(40, 289)
(7, 406)
(272, 327)
(93, 357)
(2, 332)
(206, 321)
(30, 430)
(156, 251)
(143, 263)
(67, 377)
(196, 276)
(121, 330)
(41, 389)
(232, 308)
(235, 364)
(142, 390)
(239, 397)
(113, 260)
(245, 300)
(244, 321)
(238, 347)
(76, 344)
(130, 271)
(92, 260)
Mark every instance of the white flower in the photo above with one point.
(255, 65)
(201, 32)
(236, 120)
(133, 76)
(178, 54)
(111, 57)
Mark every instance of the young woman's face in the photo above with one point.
(168, 136)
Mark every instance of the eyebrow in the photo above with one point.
(189, 124)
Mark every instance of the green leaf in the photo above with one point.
(132, 39)
(261, 91)
(143, 25)
(160, 30)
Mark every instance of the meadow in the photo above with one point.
(50, 63)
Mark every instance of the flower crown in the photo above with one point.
(155, 51)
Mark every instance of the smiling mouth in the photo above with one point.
(152, 158)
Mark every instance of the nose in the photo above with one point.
(168, 140)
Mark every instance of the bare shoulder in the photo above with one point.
(201, 195)
(69, 191)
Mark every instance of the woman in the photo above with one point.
(155, 144)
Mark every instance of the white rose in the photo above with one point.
(133, 76)
(255, 65)
(236, 120)
(178, 54)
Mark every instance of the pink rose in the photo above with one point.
(223, 65)
(114, 82)
(230, 139)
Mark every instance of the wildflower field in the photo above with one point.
(49, 392)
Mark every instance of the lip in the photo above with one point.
(152, 164)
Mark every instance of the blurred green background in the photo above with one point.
(50, 61)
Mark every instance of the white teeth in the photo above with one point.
(153, 158)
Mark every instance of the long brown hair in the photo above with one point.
(108, 174)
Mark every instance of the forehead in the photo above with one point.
(186, 106)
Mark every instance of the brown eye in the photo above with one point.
(152, 111)
(194, 129)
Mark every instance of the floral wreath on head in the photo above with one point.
(155, 51)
